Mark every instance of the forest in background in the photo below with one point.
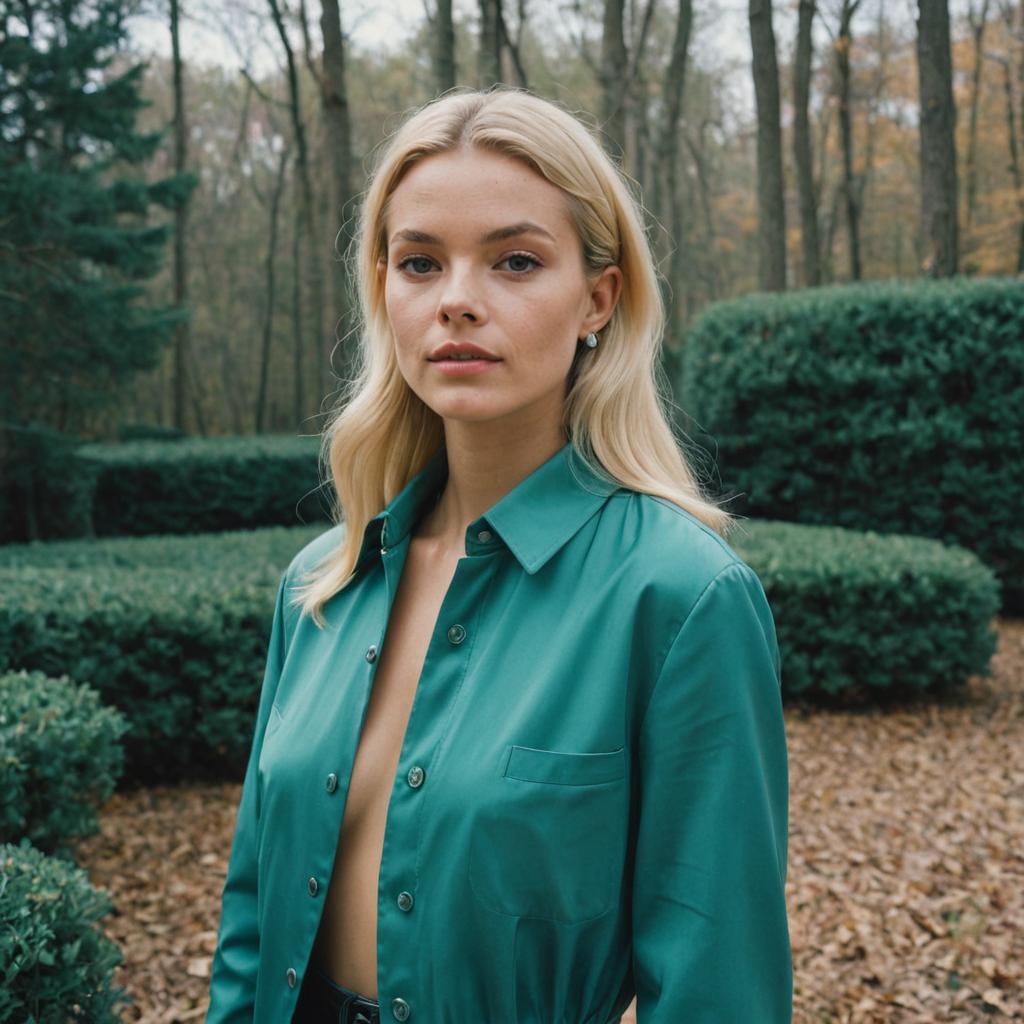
(260, 262)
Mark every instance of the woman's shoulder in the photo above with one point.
(313, 552)
(666, 546)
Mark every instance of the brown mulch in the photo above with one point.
(906, 864)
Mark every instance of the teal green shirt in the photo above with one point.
(592, 794)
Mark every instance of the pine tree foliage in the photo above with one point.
(76, 240)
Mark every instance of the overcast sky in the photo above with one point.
(382, 27)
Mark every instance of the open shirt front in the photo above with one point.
(592, 791)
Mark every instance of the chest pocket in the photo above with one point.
(552, 841)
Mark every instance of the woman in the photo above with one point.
(520, 753)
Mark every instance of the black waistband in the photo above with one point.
(322, 1001)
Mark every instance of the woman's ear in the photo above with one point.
(604, 296)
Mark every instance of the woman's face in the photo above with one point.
(481, 250)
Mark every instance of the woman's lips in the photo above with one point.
(463, 367)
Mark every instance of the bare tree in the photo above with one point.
(444, 36)
(489, 57)
(938, 153)
(305, 230)
(802, 155)
(666, 176)
(978, 20)
(182, 333)
(338, 121)
(771, 210)
(612, 76)
(843, 45)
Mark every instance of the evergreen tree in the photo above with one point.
(75, 242)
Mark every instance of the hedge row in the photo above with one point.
(180, 646)
(895, 407)
(55, 489)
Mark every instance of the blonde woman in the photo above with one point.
(520, 754)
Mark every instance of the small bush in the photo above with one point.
(55, 964)
(60, 758)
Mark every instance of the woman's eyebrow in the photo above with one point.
(525, 227)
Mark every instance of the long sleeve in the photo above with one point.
(710, 933)
(236, 960)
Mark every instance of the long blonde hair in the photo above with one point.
(617, 402)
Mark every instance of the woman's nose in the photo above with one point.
(460, 297)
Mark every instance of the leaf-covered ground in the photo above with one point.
(906, 865)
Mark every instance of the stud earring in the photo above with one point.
(592, 340)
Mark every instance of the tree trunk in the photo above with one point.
(844, 42)
(771, 210)
(667, 163)
(978, 25)
(181, 332)
(444, 67)
(802, 155)
(613, 74)
(489, 67)
(268, 314)
(937, 151)
(334, 92)
(308, 226)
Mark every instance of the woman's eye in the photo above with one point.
(425, 263)
(414, 259)
(534, 263)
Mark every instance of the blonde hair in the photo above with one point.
(616, 406)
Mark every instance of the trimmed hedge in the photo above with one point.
(896, 407)
(55, 486)
(55, 964)
(204, 484)
(863, 615)
(60, 758)
(182, 650)
(172, 631)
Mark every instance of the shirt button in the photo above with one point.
(405, 901)
(332, 782)
(371, 652)
(415, 777)
(400, 1009)
(484, 536)
(314, 886)
(291, 976)
(456, 634)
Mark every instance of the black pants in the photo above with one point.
(321, 1001)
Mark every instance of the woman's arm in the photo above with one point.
(710, 932)
(236, 960)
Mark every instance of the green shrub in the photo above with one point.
(198, 485)
(872, 615)
(55, 964)
(896, 407)
(60, 758)
(172, 631)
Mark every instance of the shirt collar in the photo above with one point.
(534, 520)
